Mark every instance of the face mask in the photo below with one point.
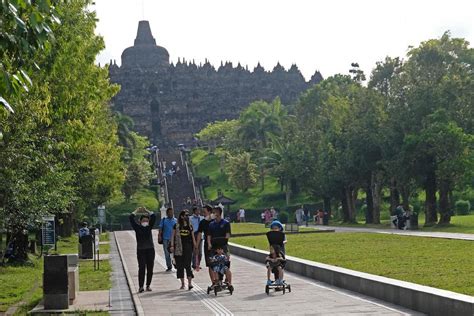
(213, 216)
(145, 224)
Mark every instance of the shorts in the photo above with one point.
(220, 269)
(212, 253)
(274, 266)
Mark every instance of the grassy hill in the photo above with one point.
(207, 165)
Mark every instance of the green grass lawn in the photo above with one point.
(90, 280)
(17, 281)
(440, 263)
(208, 165)
(247, 228)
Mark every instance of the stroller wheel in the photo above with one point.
(283, 289)
(215, 291)
(267, 290)
(208, 290)
(231, 289)
(289, 288)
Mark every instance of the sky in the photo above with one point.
(316, 35)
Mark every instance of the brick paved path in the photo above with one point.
(308, 297)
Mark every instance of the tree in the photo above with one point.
(436, 79)
(60, 152)
(26, 29)
(217, 133)
(242, 172)
(125, 135)
(138, 166)
(257, 123)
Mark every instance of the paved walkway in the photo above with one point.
(120, 297)
(308, 297)
(341, 229)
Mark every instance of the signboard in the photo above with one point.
(101, 214)
(48, 231)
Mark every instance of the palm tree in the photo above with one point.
(124, 133)
(258, 123)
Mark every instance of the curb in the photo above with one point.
(133, 291)
(287, 233)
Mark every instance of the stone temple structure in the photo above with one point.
(170, 103)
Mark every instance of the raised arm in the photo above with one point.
(133, 222)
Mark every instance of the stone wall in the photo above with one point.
(170, 103)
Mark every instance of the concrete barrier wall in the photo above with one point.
(288, 233)
(417, 297)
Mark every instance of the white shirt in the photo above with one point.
(241, 212)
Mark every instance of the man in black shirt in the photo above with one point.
(145, 247)
(218, 236)
(204, 229)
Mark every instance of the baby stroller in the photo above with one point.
(220, 264)
(277, 284)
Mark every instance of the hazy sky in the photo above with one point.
(324, 35)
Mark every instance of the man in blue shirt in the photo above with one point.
(219, 234)
(195, 219)
(84, 230)
(166, 230)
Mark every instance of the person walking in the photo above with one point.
(299, 215)
(182, 245)
(268, 216)
(145, 246)
(203, 231)
(273, 212)
(242, 215)
(195, 219)
(164, 236)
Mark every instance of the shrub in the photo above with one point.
(463, 207)
(283, 217)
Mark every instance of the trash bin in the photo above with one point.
(86, 247)
(414, 221)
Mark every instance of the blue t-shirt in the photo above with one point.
(166, 225)
(219, 230)
(195, 220)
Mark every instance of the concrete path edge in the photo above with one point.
(417, 297)
(133, 291)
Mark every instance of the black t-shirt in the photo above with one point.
(185, 233)
(143, 234)
(276, 238)
(204, 228)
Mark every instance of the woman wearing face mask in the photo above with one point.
(182, 245)
(145, 247)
